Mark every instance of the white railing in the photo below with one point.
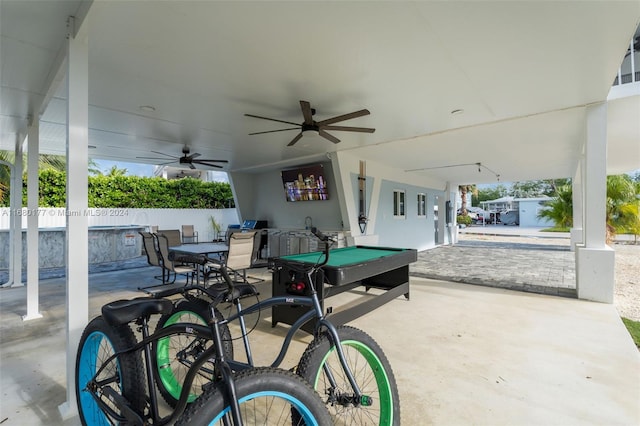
(162, 218)
(628, 71)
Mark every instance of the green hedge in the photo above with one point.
(135, 192)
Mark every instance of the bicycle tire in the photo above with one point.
(284, 394)
(372, 373)
(172, 355)
(98, 342)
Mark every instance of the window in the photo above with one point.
(422, 205)
(398, 203)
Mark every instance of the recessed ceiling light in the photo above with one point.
(92, 147)
(457, 111)
(147, 108)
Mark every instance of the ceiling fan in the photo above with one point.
(185, 159)
(317, 127)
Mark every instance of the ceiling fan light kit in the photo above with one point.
(311, 127)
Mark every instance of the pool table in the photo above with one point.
(348, 268)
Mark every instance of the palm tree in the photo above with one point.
(45, 161)
(622, 208)
(464, 190)
(622, 205)
(560, 209)
(5, 176)
(115, 171)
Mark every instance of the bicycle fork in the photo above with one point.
(357, 398)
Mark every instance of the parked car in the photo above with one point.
(510, 217)
(485, 217)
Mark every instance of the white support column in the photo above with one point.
(577, 232)
(77, 251)
(32, 221)
(16, 222)
(442, 219)
(594, 259)
(430, 219)
(9, 281)
(450, 195)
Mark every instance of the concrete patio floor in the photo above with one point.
(461, 354)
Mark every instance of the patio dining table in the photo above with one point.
(201, 248)
(207, 249)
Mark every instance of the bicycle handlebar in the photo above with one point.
(326, 239)
(315, 231)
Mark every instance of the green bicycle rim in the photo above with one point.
(382, 380)
(163, 358)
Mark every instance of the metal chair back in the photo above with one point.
(240, 253)
(189, 234)
(149, 244)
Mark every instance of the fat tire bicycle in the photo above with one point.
(345, 365)
(111, 387)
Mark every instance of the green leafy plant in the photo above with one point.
(464, 220)
(215, 226)
(116, 190)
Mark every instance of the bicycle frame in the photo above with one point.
(227, 365)
(223, 370)
(316, 312)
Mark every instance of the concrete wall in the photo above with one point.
(106, 244)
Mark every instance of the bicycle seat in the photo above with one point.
(122, 312)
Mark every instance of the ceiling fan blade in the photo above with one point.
(350, 129)
(152, 158)
(206, 160)
(191, 166)
(306, 112)
(328, 136)
(164, 164)
(272, 119)
(194, 155)
(273, 131)
(344, 117)
(206, 163)
(296, 139)
(162, 153)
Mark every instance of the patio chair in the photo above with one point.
(239, 257)
(173, 235)
(189, 235)
(171, 265)
(151, 249)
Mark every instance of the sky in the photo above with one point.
(133, 169)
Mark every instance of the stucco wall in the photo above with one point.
(267, 201)
(261, 196)
(528, 210)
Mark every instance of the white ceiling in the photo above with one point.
(522, 71)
